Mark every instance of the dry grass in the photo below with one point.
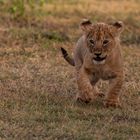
(37, 87)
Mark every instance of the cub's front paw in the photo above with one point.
(80, 100)
(112, 103)
(85, 97)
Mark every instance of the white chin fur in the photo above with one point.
(98, 62)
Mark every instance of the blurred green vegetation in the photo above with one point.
(18, 7)
(28, 11)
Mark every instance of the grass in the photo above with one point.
(37, 87)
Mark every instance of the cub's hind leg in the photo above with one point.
(94, 80)
(98, 92)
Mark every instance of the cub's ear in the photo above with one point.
(85, 25)
(118, 27)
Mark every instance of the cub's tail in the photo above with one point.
(67, 57)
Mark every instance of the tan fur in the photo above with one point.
(100, 39)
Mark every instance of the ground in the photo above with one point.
(38, 88)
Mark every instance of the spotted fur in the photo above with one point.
(97, 55)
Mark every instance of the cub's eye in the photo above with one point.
(105, 42)
(92, 41)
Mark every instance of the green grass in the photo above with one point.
(38, 88)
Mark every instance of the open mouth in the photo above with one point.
(99, 58)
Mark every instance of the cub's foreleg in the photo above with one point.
(113, 95)
(86, 90)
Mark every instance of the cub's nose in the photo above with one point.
(98, 54)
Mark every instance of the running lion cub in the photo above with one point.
(97, 55)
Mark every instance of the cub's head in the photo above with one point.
(101, 38)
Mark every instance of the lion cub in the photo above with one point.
(97, 55)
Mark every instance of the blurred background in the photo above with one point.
(37, 87)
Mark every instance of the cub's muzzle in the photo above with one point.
(98, 58)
